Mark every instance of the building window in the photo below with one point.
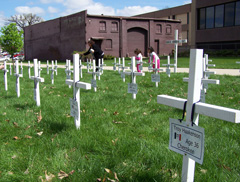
(109, 44)
(168, 29)
(173, 17)
(158, 28)
(114, 27)
(237, 14)
(202, 18)
(210, 17)
(229, 14)
(102, 26)
(219, 15)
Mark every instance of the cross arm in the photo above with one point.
(135, 73)
(223, 113)
(169, 64)
(39, 79)
(211, 65)
(155, 69)
(208, 81)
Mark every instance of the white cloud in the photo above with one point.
(51, 1)
(135, 10)
(74, 6)
(52, 10)
(27, 9)
(187, 2)
(2, 19)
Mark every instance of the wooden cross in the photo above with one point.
(195, 77)
(29, 69)
(39, 68)
(94, 74)
(114, 64)
(56, 66)
(52, 70)
(132, 87)
(47, 67)
(168, 70)
(80, 68)
(123, 69)
(101, 66)
(10, 68)
(21, 69)
(88, 65)
(119, 65)
(176, 42)
(17, 79)
(36, 79)
(76, 84)
(155, 76)
(68, 70)
(5, 71)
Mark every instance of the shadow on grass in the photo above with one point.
(55, 127)
(24, 106)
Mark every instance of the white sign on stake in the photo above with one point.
(195, 76)
(76, 84)
(176, 42)
(155, 77)
(187, 140)
(132, 88)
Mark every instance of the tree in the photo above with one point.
(11, 39)
(25, 20)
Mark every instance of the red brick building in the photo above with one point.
(117, 36)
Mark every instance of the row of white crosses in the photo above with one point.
(132, 87)
(176, 41)
(193, 109)
(37, 79)
(168, 65)
(76, 84)
(205, 80)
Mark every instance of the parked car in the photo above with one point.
(4, 56)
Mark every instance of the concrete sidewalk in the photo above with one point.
(232, 72)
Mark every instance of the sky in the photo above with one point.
(51, 9)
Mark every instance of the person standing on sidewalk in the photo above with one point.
(96, 51)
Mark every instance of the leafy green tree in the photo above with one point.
(11, 39)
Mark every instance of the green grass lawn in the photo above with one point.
(129, 137)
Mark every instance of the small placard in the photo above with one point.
(149, 67)
(132, 88)
(168, 71)
(69, 76)
(74, 108)
(187, 140)
(205, 86)
(155, 78)
(94, 83)
(122, 75)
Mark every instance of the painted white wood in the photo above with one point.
(47, 67)
(68, 70)
(155, 71)
(76, 88)
(29, 69)
(94, 75)
(195, 79)
(80, 68)
(10, 69)
(36, 79)
(176, 42)
(133, 74)
(5, 71)
(114, 65)
(56, 67)
(52, 72)
(21, 68)
(99, 71)
(39, 68)
(168, 65)
(17, 78)
(88, 65)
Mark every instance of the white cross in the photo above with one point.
(21, 69)
(17, 79)
(88, 65)
(36, 79)
(29, 69)
(39, 68)
(132, 87)
(114, 64)
(155, 76)
(68, 70)
(176, 42)
(168, 70)
(195, 76)
(76, 84)
(10, 68)
(141, 64)
(123, 69)
(52, 70)
(5, 70)
(56, 66)
(101, 66)
(119, 65)
(94, 73)
(80, 68)
(47, 67)
(205, 80)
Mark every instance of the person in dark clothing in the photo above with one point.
(96, 51)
